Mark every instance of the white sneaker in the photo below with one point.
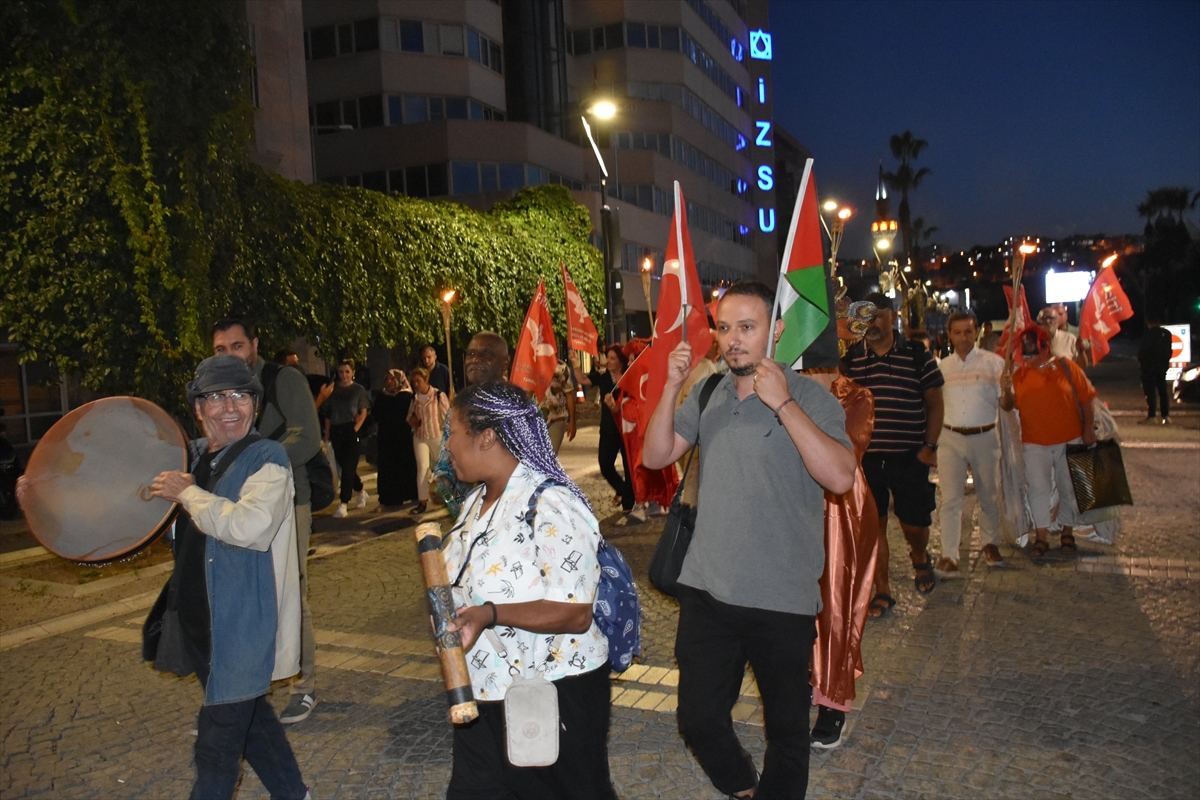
(341, 511)
(361, 502)
(638, 512)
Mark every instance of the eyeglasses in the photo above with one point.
(217, 399)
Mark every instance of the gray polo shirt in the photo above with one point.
(760, 526)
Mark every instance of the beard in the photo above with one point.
(742, 372)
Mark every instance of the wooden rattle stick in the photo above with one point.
(441, 607)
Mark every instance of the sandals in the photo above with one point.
(882, 603)
(1039, 549)
(1067, 542)
(923, 576)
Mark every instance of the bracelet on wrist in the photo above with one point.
(931, 445)
(781, 406)
(495, 614)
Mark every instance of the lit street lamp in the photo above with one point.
(606, 110)
(835, 229)
(448, 296)
(647, 268)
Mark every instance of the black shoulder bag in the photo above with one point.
(1097, 470)
(676, 537)
(320, 474)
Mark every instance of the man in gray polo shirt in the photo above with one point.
(771, 442)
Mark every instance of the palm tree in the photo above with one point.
(906, 148)
(921, 236)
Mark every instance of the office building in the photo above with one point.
(471, 100)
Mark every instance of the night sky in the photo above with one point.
(1048, 118)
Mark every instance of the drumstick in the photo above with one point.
(441, 606)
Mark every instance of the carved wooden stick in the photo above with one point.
(441, 606)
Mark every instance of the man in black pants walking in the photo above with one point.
(1154, 357)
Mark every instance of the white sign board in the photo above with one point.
(1068, 287)
(1181, 344)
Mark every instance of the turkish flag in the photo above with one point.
(1106, 305)
(537, 353)
(1022, 321)
(648, 484)
(678, 292)
(581, 332)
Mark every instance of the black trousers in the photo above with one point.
(610, 446)
(1155, 387)
(346, 450)
(712, 646)
(481, 768)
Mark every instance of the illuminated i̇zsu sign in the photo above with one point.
(760, 48)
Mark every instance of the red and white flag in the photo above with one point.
(1103, 310)
(537, 353)
(1022, 321)
(581, 332)
(678, 295)
(658, 485)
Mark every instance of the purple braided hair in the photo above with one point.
(508, 411)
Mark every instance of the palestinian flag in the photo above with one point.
(802, 297)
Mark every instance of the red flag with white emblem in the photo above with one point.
(658, 485)
(581, 332)
(1106, 305)
(678, 295)
(537, 353)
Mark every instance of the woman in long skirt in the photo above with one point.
(397, 481)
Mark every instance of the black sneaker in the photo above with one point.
(298, 709)
(827, 733)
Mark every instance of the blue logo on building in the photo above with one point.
(760, 45)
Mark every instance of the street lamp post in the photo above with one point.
(448, 296)
(647, 268)
(834, 230)
(605, 110)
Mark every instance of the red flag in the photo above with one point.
(537, 354)
(1022, 321)
(581, 333)
(648, 484)
(679, 290)
(1106, 305)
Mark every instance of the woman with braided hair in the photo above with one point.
(524, 556)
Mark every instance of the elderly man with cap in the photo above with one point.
(231, 610)
(907, 386)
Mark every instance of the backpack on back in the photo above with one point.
(320, 474)
(617, 609)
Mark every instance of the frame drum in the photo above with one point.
(87, 495)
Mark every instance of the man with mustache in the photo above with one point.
(907, 386)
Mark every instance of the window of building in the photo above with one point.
(350, 113)
(415, 109)
(396, 181)
(488, 180)
(354, 180)
(614, 36)
(636, 33)
(512, 176)
(466, 177)
(476, 110)
(375, 181)
(322, 43)
(439, 180)
(327, 115)
(582, 41)
(370, 111)
(432, 48)
(412, 36)
(456, 108)
(366, 35)
(452, 40)
(345, 39)
(389, 35)
(415, 182)
(437, 108)
(473, 45)
(395, 114)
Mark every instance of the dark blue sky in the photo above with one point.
(1046, 118)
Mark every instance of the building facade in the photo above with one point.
(471, 100)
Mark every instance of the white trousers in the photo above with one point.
(426, 452)
(981, 453)
(1045, 471)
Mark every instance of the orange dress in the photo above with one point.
(851, 536)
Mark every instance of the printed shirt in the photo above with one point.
(431, 412)
(972, 391)
(898, 381)
(1049, 413)
(555, 403)
(511, 563)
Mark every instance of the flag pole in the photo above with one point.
(682, 265)
(787, 255)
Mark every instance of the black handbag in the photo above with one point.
(1097, 470)
(672, 547)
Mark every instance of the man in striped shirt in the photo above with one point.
(907, 386)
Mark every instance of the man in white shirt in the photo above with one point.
(1063, 343)
(969, 438)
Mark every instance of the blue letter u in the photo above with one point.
(766, 223)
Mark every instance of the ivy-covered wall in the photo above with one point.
(131, 215)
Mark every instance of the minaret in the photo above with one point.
(881, 197)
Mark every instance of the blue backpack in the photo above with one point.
(617, 610)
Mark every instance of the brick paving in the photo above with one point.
(1078, 678)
